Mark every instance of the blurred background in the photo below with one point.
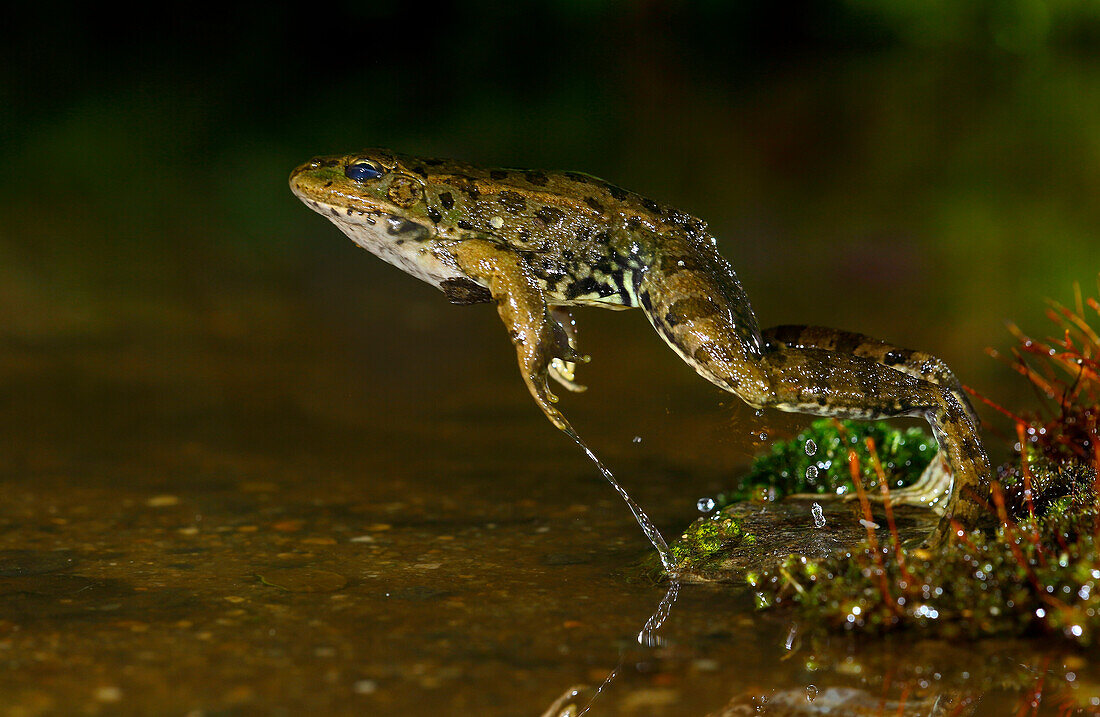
(919, 171)
(193, 364)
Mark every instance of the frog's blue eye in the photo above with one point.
(363, 170)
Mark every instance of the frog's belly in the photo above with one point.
(403, 244)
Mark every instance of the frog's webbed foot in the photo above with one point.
(563, 370)
(931, 490)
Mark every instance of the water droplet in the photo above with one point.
(636, 439)
(811, 447)
(811, 473)
(705, 505)
(763, 435)
(819, 515)
(811, 693)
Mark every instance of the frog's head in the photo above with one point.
(372, 192)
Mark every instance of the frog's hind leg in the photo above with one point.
(693, 300)
(934, 484)
(915, 363)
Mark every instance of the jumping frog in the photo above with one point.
(537, 242)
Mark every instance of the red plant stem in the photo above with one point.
(1010, 532)
(964, 703)
(901, 700)
(1025, 464)
(1031, 699)
(877, 463)
(991, 404)
(872, 540)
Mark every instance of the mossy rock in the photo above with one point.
(747, 538)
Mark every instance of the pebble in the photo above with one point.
(108, 693)
(365, 687)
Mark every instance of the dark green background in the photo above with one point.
(916, 170)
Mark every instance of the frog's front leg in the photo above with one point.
(694, 301)
(536, 334)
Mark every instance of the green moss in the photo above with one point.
(707, 537)
(816, 461)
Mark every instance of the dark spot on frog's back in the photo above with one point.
(651, 206)
(550, 216)
(594, 203)
(896, 356)
(513, 201)
(585, 287)
(498, 174)
(617, 192)
(536, 178)
(467, 185)
(447, 200)
(464, 291)
(434, 215)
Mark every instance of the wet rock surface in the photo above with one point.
(795, 526)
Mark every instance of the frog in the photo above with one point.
(539, 243)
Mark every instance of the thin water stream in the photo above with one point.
(646, 524)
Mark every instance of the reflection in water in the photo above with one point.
(566, 705)
(648, 637)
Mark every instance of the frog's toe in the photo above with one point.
(564, 372)
(546, 399)
(931, 490)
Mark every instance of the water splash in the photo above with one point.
(646, 524)
(811, 447)
(811, 473)
(819, 515)
(705, 505)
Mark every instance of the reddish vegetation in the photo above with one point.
(1066, 373)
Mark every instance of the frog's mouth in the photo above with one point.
(370, 222)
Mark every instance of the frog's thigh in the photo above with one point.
(538, 338)
(915, 363)
(935, 482)
(821, 382)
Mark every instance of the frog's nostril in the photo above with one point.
(315, 164)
